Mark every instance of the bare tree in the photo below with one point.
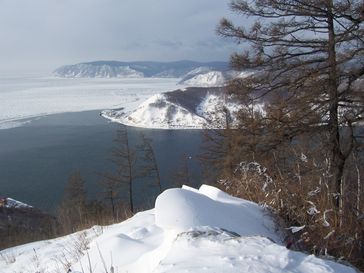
(218, 145)
(111, 188)
(148, 165)
(72, 209)
(182, 175)
(308, 57)
(124, 159)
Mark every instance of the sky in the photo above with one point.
(45, 34)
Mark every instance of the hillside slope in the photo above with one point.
(189, 230)
(192, 108)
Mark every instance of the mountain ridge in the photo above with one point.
(115, 69)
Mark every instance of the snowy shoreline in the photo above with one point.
(156, 127)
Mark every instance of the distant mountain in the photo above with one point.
(115, 69)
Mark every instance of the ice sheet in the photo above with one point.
(25, 97)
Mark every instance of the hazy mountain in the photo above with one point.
(115, 69)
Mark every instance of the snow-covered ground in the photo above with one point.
(25, 97)
(160, 113)
(12, 203)
(191, 108)
(189, 230)
(205, 79)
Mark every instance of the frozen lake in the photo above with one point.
(28, 96)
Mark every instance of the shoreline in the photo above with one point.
(38, 158)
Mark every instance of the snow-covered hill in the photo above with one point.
(112, 69)
(12, 203)
(87, 70)
(209, 77)
(189, 230)
(205, 79)
(193, 108)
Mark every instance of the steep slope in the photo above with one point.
(189, 230)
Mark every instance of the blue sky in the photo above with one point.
(44, 34)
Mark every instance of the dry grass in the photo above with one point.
(300, 194)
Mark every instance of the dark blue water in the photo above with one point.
(37, 159)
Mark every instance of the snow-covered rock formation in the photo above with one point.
(193, 108)
(189, 230)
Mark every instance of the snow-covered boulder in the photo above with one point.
(182, 210)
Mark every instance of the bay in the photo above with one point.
(36, 159)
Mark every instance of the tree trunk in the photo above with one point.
(130, 166)
(338, 161)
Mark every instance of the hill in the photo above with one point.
(116, 69)
(189, 230)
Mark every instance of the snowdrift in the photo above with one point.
(189, 230)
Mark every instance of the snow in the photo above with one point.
(12, 203)
(85, 70)
(219, 253)
(162, 111)
(138, 102)
(208, 79)
(25, 97)
(212, 107)
(196, 71)
(181, 210)
(295, 229)
(158, 112)
(189, 230)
